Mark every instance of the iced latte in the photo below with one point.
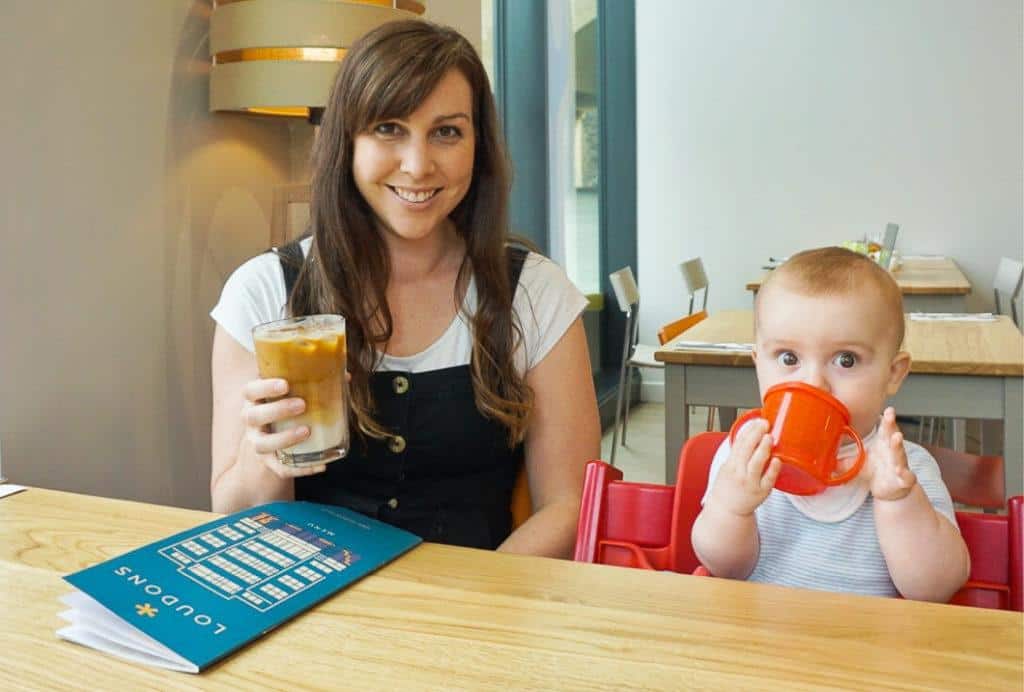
(309, 352)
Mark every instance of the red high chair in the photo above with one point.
(996, 545)
(644, 525)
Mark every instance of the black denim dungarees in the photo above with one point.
(446, 472)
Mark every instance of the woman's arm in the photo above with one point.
(564, 434)
(245, 470)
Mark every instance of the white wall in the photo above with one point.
(463, 15)
(770, 126)
(124, 204)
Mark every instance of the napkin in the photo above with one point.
(953, 317)
(711, 346)
(9, 489)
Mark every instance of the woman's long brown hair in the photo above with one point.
(387, 74)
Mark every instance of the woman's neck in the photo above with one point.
(414, 260)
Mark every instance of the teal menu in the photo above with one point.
(188, 600)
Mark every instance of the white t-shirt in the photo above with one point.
(546, 302)
(843, 556)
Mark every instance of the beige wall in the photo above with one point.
(124, 205)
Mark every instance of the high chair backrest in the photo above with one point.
(691, 483)
(972, 479)
(996, 545)
(621, 523)
(644, 525)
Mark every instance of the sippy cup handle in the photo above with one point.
(855, 469)
(741, 421)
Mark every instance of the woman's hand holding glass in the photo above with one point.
(262, 408)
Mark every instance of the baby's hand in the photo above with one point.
(891, 478)
(743, 483)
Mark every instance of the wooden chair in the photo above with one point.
(644, 525)
(677, 327)
(972, 479)
(671, 331)
(289, 213)
(522, 504)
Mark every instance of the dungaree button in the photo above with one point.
(400, 384)
(393, 503)
(397, 444)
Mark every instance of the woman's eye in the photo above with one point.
(846, 360)
(788, 358)
(386, 129)
(449, 132)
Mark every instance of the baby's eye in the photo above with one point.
(845, 359)
(788, 358)
(449, 132)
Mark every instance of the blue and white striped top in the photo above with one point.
(842, 557)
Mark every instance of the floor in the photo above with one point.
(642, 460)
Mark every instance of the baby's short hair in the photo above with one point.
(837, 271)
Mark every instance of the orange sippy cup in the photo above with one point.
(806, 425)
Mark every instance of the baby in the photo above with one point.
(833, 319)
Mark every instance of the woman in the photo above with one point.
(467, 359)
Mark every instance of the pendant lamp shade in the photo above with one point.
(280, 57)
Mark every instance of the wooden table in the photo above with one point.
(958, 370)
(453, 618)
(928, 285)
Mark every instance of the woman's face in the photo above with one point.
(414, 171)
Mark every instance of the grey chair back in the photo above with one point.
(628, 297)
(695, 280)
(1008, 283)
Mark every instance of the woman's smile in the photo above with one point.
(415, 198)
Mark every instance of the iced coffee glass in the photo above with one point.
(309, 352)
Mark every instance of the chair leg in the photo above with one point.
(625, 408)
(711, 419)
(618, 414)
(930, 422)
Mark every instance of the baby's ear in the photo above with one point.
(898, 371)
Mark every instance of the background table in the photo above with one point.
(448, 618)
(928, 285)
(958, 370)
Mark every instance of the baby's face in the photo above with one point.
(839, 343)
